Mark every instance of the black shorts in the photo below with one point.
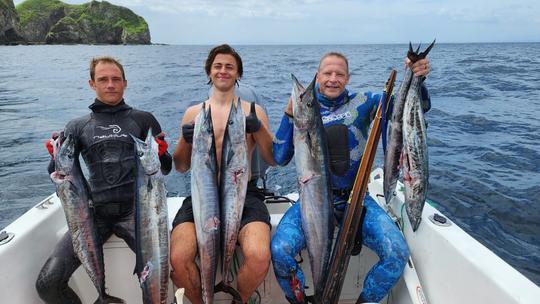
(254, 209)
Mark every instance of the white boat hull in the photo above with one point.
(451, 266)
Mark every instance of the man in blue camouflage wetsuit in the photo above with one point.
(346, 118)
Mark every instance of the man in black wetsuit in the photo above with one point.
(102, 137)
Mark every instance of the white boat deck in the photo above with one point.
(451, 266)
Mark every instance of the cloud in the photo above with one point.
(468, 15)
(495, 12)
(232, 8)
(340, 21)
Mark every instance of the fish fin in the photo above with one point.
(426, 51)
(311, 89)
(208, 120)
(135, 139)
(230, 156)
(309, 141)
(149, 138)
(415, 226)
(414, 220)
(313, 82)
(413, 57)
(296, 81)
(298, 88)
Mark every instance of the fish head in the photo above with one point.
(305, 104)
(203, 133)
(147, 153)
(65, 156)
(236, 126)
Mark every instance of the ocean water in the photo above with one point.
(484, 138)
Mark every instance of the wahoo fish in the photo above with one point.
(152, 236)
(205, 198)
(415, 151)
(393, 151)
(72, 189)
(234, 178)
(312, 167)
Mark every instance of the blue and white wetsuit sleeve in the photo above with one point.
(282, 145)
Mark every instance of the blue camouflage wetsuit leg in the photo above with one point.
(379, 233)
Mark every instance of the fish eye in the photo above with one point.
(139, 154)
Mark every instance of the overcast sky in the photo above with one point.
(336, 22)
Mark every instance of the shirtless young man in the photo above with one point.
(224, 68)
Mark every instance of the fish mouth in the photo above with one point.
(58, 176)
(153, 172)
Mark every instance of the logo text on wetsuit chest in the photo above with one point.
(337, 116)
(115, 129)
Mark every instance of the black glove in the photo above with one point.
(253, 124)
(187, 132)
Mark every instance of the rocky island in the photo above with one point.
(9, 23)
(55, 22)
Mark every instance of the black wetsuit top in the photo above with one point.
(103, 139)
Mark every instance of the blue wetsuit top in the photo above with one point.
(352, 110)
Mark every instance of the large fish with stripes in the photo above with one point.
(415, 150)
(234, 178)
(392, 155)
(152, 237)
(72, 189)
(205, 198)
(312, 167)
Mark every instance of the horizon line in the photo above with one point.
(346, 43)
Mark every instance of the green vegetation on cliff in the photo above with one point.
(4, 4)
(108, 15)
(90, 20)
(35, 9)
(9, 23)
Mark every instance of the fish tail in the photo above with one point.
(414, 56)
(105, 299)
(426, 51)
(223, 287)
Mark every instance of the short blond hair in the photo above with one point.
(334, 54)
(107, 59)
